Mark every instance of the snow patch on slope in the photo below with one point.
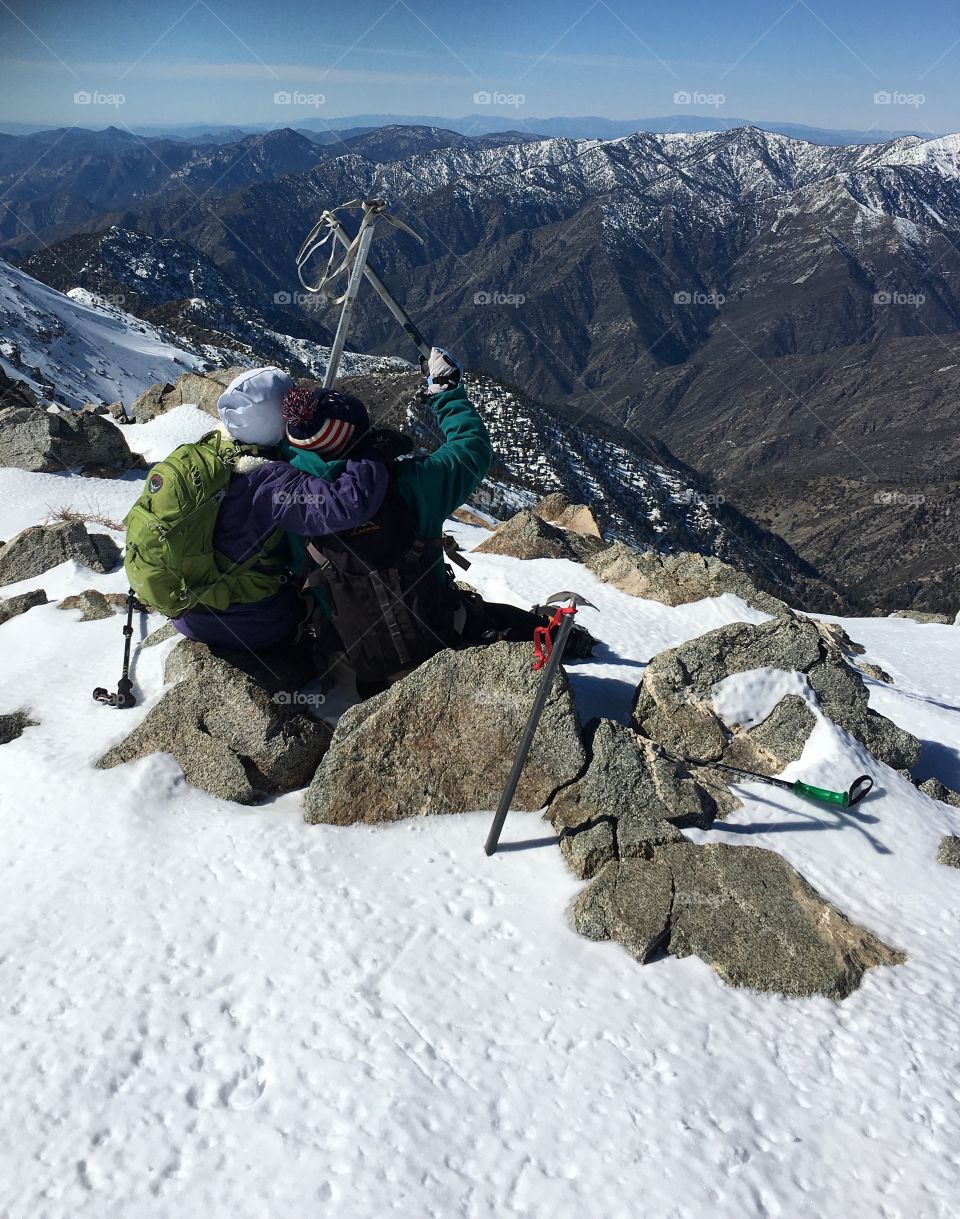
(85, 349)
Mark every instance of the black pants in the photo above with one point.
(281, 669)
(290, 667)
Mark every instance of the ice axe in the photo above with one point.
(548, 653)
(355, 260)
(856, 792)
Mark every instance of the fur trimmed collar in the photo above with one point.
(247, 463)
(250, 462)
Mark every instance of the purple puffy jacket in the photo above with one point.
(264, 496)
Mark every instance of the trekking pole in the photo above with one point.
(548, 652)
(857, 790)
(124, 695)
(350, 297)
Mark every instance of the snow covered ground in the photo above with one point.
(218, 1011)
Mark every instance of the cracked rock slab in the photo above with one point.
(628, 800)
(629, 902)
(228, 734)
(443, 740)
(743, 910)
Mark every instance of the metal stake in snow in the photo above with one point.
(329, 229)
(548, 653)
(364, 238)
(375, 282)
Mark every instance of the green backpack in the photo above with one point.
(170, 559)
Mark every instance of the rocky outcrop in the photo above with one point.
(939, 791)
(467, 517)
(949, 851)
(674, 707)
(677, 579)
(443, 740)
(556, 509)
(40, 547)
(230, 736)
(551, 506)
(875, 673)
(16, 393)
(834, 634)
(924, 617)
(13, 724)
(161, 635)
(527, 536)
(94, 604)
(631, 903)
(47, 442)
(199, 389)
(629, 799)
(12, 607)
(742, 910)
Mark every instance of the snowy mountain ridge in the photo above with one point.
(713, 171)
(78, 347)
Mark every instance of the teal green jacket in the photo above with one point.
(434, 485)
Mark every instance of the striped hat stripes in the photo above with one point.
(334, 436)
(323, 421)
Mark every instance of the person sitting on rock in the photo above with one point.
(206, 542)
(384, 584)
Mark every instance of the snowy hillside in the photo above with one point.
(219, 1010)
(85, 350)
(76, 347)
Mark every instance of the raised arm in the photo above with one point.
(451, 474)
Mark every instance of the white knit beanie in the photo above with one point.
(251, 405)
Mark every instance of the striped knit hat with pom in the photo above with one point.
(323, 421)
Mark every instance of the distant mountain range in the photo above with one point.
(584, 127)
(785, 315)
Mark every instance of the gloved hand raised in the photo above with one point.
(442, 370)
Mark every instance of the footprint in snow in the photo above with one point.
(245, 1087)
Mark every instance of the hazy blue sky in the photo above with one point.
(225, 60)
